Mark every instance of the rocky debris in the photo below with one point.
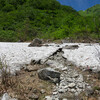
(49, 74)
(71, 84)
(36, 42)
(33, 97)
(7, 97)
(71, 47)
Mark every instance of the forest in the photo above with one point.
(47, 19)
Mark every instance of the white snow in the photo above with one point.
(17, 54)
(86, 56)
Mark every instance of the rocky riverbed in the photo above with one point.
(71, 70)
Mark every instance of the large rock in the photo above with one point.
(71, 47)
(49, 74)
(7, 97)
(35, 42)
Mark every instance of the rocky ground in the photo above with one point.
(52, 78)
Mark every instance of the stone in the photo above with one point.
(31, 68)
(80, 85)
(64, 99)
(55, 93)
(7, 97)
(80, 78)
(71, 47)
(65, 87)
(69, 80)
(49, 74)
(73, 90)
(42, 91)
(75, 75)
(34, 97)
(71, 85)
(61, 90)
(64, 69)
(48, 98)
(35, 42)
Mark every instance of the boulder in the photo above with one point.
(49, 74)
(71, 47)
(36, 42)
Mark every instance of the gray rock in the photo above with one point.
(35, 42)
(71, 85)
(71, 47)
(64, 99)
(75, 75)
(31, 68)
(48, 98)
(66, 87)
(49, 74)
(61, 90)
(73, 90)
(80, 78)
(7, 97)
(69, 80)
(55, 93)
(80, 85)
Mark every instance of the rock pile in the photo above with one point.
(71, 84)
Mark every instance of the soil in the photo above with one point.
(25, 84)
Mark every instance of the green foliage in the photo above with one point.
(27, 19)
(93, 11)
(7, 36)
(8, 8)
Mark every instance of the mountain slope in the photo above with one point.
(93, 11)
(27, 19)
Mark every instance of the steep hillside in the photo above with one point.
(93, 11)
(27, 19)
